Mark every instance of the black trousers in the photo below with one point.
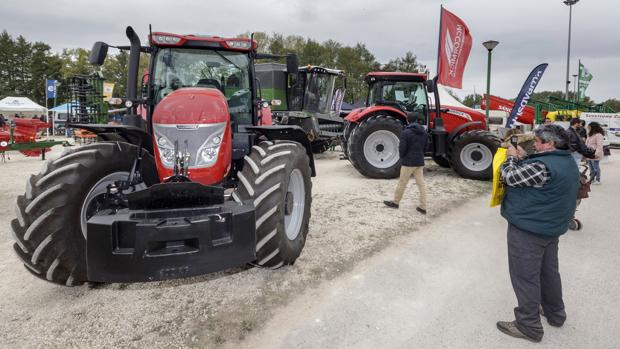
(533, 265)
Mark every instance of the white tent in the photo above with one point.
(19, 105)
(446, 99)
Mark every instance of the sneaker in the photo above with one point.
(421, 210)
(390, 204)
(510, 328)
(596, 182)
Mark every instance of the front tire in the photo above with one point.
(373, 146)
(276, 179)
(48, 231)
(472, 154)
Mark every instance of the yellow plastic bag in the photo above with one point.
(497, 194)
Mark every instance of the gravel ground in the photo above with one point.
(349, 223)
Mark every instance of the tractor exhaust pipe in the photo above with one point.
(134, 63)
(132, 80)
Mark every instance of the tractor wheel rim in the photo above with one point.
(297, 193)
(476, 157)
(100, 188)
(381, 149)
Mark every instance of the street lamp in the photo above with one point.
(489, 45)
(575, 87)
(570, 4)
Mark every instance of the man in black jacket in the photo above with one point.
(413, 141)
(577, 147)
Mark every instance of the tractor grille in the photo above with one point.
(190, 137)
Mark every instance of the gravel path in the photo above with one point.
(349, 223)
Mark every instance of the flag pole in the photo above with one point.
(46, 110)
(439, 38)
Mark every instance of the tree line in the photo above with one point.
(25, 65)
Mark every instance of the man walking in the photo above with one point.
(413, 141)
(540, 199)
(576, 143)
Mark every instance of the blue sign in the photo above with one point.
(50, 88)
(526, 93)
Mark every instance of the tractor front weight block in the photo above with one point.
(149, 245)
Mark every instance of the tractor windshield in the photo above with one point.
(223, 70)
(408, 95)
(319, 92)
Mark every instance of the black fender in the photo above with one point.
(458, 129)
(130, 134)
(287, 133)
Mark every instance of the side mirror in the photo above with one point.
(430, 86)
(98, 53)
(292, 64)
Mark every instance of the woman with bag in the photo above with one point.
(595, 141)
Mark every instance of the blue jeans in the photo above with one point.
(595, 170)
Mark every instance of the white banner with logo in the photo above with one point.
(610, 123)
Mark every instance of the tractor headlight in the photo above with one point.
(209, 150)
(166, 150)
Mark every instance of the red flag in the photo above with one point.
(454, 47)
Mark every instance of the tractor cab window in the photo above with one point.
(409, 96)
(226, 71)
(319, 92)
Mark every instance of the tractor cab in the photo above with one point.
(311, 100)
(404, 91)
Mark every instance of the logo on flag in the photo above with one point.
(525, 94)
(455, 44)
(584, 80)
(50, 87)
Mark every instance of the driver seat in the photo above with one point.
(209, 83)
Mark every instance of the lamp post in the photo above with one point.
(489, 45)
(570, 4)
(575, 87)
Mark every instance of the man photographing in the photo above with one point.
(540, 199)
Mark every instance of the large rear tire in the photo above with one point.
(48, 230)
(276, 179)
(472, 154)
(373, 146)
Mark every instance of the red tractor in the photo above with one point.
(458, 138)
(199, 182)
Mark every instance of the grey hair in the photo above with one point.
(554, 133)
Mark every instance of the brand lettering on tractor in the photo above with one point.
(529, 92)
(504, 108)
(454, 48)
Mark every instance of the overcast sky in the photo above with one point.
(529, 31)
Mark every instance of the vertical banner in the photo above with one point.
(584, 81)
(526, 93)
(454, 46)
(108, 89)
(50, 88)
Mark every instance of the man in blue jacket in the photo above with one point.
(540, 199)
(413, 141)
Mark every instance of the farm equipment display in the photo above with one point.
(458, 136)
(199, 181)
(20, 135)
(311, 99)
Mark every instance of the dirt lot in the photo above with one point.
(349, 223)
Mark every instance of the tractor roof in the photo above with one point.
(314, 69)
(201, 41)
(395, 76)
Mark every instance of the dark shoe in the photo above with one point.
(542, 313)
(390, 204)
(510, 328)
(421, 210)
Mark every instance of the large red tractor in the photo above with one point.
(459, 137)
(199, 182)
